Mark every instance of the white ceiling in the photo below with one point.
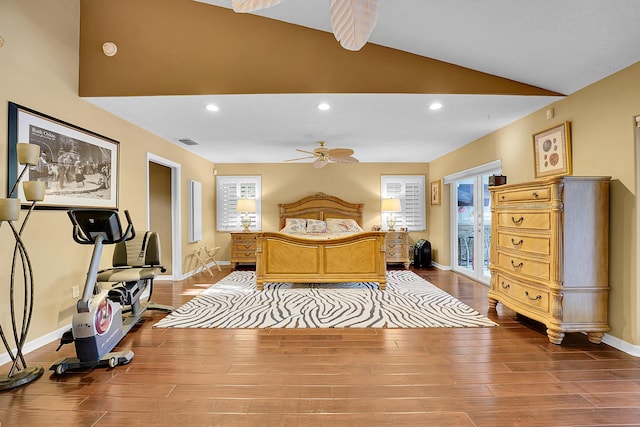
(560, 45)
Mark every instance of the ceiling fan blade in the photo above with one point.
(340, 152)
(306, 152)
(345, 160)
(320, 163)
(246, 6)
(299, 158)
(353, 21)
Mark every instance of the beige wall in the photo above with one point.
(39, 70)
(602, 127)
(283, 183)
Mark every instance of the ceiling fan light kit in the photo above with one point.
(352, 21)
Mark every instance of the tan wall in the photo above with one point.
(283, 183)
(602, 124)
(39, 70)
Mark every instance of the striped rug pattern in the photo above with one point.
(408, 302)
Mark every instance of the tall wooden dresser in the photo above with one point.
(549, 253)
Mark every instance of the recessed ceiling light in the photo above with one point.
(324, 106)
(435, 106)
(213, 107)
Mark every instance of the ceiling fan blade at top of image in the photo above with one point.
(345, 160)
(340, 152)
(353, 21)
(299, 158)
(246, 6)
(306, 152)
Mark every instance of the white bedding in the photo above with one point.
(313, 229)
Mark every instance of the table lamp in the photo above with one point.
(246, 206)
(391, 206)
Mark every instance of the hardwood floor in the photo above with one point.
(508, 376)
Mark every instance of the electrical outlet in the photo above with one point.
(75, 292)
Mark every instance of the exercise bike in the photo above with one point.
(110, 305)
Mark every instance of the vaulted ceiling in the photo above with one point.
(488, 63)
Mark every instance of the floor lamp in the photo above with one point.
(19, 373)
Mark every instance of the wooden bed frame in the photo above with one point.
(356, 258)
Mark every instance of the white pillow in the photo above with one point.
(339, 225)
(295, 225)
(316, 226)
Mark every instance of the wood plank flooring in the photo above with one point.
(507, 376)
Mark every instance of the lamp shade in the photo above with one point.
(391, 205)
(246, 205)
(9, 209)
(34, 190)
(28, 154)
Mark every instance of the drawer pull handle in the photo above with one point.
(514, 265)
(505, 285)
(535, 195)
(539, 297)
(514, 243)
(517, 221)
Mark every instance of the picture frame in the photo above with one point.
(80, 167)
(552, 151)
(435, 192)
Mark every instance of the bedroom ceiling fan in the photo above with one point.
(325, 155)
(352, 21)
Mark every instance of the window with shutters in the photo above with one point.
(228, 190)
(410, 189)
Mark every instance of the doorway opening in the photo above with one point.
(163, 199)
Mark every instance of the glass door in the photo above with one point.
(471, 223)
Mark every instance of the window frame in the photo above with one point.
(417, 202)
(227, 218)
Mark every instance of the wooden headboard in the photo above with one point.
(320, 206)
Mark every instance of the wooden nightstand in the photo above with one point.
(397, 248)
(243, 247)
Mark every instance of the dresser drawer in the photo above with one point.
(525, 220)
(245, 246)
(249, 256)
(529, 295)
(526, 243)
(524, 266)
(539, 194)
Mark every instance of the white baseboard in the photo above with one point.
(440, 267)
(36, 344)
(621, 345)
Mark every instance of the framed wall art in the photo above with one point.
(79, 167)
(435, 192)
(552, 151)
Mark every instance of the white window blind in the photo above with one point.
(410, 189)
(228, 190)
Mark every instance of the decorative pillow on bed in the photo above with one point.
(295, 225)
(316, 226)
(339, 225)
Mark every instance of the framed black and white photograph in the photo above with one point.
(79, 167)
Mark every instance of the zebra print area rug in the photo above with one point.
(408, 302)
